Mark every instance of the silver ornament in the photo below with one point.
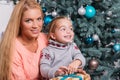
(54, 13)
(109, 13)
(108, 18)
(81, 11)
(95, 37)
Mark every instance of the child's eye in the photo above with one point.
(71, 29)
(62, 29)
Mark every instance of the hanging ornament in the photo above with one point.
(116, 47)
(113, 31)
(48, 19)
(90, 11)
(117, 30)
(95, 37)
(54, 13)
(109, 13)
(93, 64)
(108, 18)
(44, 9)
(89, 40)
(81, 11)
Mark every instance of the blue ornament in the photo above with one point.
(89, 40)
(113, 31)
(90, 11)
(44, 9)
(116, 47)
(48, 19)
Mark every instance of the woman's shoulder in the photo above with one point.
(43, 37)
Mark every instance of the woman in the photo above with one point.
(22, 43)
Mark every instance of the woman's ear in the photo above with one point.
(52, 36)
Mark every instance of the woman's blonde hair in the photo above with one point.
(10, 34)
(53, 25)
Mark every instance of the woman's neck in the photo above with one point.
(31, 44)
(27, 40)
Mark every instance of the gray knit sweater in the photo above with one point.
(56, 55)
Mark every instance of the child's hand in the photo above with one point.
(86, 76)
(74, 66)
(63, 70)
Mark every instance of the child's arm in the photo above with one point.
(78, 59)
(73, 67)
(77, 55)
(46, 69)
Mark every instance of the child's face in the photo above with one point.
(64, 31)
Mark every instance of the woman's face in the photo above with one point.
(31, 23)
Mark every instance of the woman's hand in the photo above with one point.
(74, 66)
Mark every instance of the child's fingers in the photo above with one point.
(59, 72)
(64, 69)
(72, 70)
(81, 71)
(87, 77)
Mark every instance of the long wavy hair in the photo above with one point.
(11, 33)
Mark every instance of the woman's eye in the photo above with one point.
(39, 19)
(28, 21)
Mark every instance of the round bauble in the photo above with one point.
(89, 40)
(54, 14)
(81, 11)
(90, 11)
(116, 47)
(48, 19)
(93, 64)
(95, 37)
(44, 9)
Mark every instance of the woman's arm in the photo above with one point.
(18, 72)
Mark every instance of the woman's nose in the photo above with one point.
(35, 24)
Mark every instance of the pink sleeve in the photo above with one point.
(17, 68)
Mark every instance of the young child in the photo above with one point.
(62, 56)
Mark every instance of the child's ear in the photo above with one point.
(52, 36)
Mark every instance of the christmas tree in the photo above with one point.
(97, 32)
